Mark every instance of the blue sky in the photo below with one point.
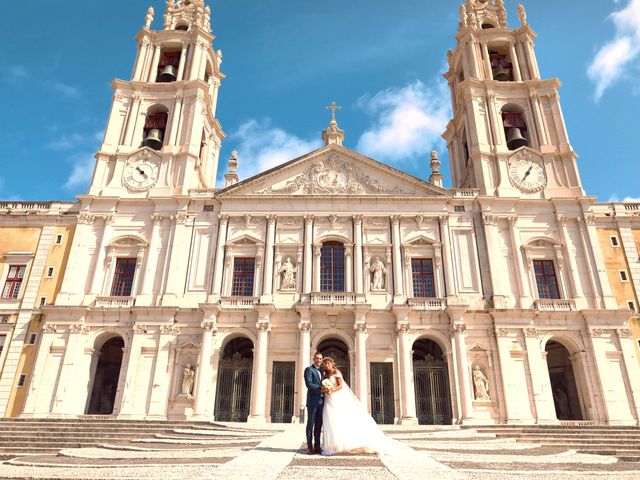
(285, 60)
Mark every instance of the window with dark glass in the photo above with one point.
(14, 280)
(546, 279)
(123, 277)
(332, 267)
(423, 280)
(243, 275)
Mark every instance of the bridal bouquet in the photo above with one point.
(326, 385)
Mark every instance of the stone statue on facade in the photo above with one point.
(378, 271)
(522, 14)
(187, 380)
(480, 384)
(288, 275)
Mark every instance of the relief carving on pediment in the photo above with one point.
(332, 177)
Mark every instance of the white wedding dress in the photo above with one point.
(348, 428)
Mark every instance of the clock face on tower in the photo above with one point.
(528, 175)
(141, 174)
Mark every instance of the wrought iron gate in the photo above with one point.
(433, 400)
(233, 391)
(282, 391)
(382, 405)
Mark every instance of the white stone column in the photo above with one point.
(259, 388)
(491, 234)
(218, 269)
(308, 254)
(125, 409)
(474, 53)
(267, 294)
(38, 399)
(493, 118)
(531, 59)
(161, 375)
(195, 61)
(446, 255)
(462, 362)
(203, 372)
(523, 278)
(360, 327)
(143, 47)
(134, 110)
(183, 61)
(537, 116)
(357, 254)
(595, 254)
(177, 265)
(153, 72)
(399, 297)
(99, 271)
(405, 357)
(517, 76)
(591, 266)
(574, 280)
(151, 267)
(558, 118)
(317, 252)
(487, 61)
(304, 355)
(632, 367)
(172, 135)
(67, 387)
(540, 380)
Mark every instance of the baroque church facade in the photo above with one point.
(488, 302)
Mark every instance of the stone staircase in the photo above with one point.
(48, 436)
(618, 441)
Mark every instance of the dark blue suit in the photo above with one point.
(315, 402)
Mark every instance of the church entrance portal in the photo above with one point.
(338, 350)
(431, 379)
(105, 380)
(566, 396)
(233, 392)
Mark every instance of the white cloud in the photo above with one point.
(609, 63)
(262, 146)
(66, 90)
(409, 122)
(83, 165)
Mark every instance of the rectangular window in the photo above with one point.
(50, 271)
(59, 239)
(423, 280)
(623, 276)
(546, 279)
(2, 339)
(4, 318)
(243, 275)
(632, 306)
(12, 286)
(614, 241)
(332, 267)
(458, 208)
(43, 301)
(32, 338)
(123, 277)
(21, 380)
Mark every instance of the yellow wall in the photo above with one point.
(49, 287)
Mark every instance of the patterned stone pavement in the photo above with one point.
(233, 452)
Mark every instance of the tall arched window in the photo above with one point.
(332, 267)
(515, 129)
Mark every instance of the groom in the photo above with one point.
(315, 400)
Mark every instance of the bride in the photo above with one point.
(347, 426)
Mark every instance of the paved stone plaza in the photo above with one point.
(230, 451)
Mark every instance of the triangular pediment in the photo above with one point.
(333, 171)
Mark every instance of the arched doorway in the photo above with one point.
(431, 380)
(338, 350)
(566, 397)
(105, 379)
(233, 392)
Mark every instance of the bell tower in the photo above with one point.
(508, 136)
(162, 137)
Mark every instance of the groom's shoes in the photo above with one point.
(311, 451)
(317, 450)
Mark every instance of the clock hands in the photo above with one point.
(527, 174)
(142, 172)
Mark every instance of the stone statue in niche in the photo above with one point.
(288, 275)
(378, 274)
(187, 380)
(480, 384)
